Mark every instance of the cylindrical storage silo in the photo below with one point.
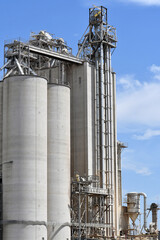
(58, 162)
(24, 158)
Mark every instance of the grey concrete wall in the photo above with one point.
(82, 82)
(81, 79)
(51, 74)
(54, 74)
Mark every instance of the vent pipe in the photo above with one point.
(145, 210)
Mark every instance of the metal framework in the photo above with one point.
(88, 208)
(97, 32)
(41, 51)
(96, 46)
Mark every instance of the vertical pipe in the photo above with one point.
(98, 164)
(59, 73)
(117, 189)
(79, 212)
(110, 136)
(119, 186)
(97, 116)
(108, 170)
(145, 210)
(106, 135)
(119, 150)
(102, 115)
(113, 195)
(63, 72)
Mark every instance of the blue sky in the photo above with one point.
(136, 61)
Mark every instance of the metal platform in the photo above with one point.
(56, 55)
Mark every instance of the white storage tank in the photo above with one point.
(58, 162)
(25, 158)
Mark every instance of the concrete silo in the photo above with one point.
(58, 161)
(24, 158)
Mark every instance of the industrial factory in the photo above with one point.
(60, 160)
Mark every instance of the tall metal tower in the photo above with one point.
(96, 46)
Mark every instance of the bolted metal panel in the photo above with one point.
(24, 158)
(58, 162)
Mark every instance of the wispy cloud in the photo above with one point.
(91, 3)
(143, 2)
(143, 171)
(156, 71)
(128, 82)
(136, 167)
(149, 133)
(138, 102)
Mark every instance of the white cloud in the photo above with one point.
(138, 103)
(91, 3)
(128, 82)
(144, 2)
(135, 167)
(143, 171)
(156, 71)
(149, 133)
